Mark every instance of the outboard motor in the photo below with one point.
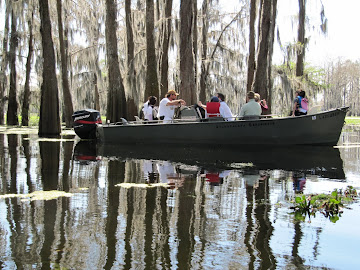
(85, 123)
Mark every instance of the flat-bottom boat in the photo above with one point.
(323, 128)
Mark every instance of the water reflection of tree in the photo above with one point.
(49, 155)
(258, 233)
(116, 172)
(26, 148)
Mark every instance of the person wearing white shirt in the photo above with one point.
(148, 108)
(225, 111)
(168, 105)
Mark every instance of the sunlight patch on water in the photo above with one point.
(130, 185)
(38, 195)
(348, 145)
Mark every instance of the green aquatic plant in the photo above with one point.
(328, 204)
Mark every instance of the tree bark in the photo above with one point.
(96, 93)
(4, 63)
(195, 45)
(26, 97)
(251, 59)
(164, 68)
(68, 105)
(49, 123)
(152, 85)
(116, 102)
(204, 48)
(261, 79)
(271, 49)
(187, 76)
(301, 40)
(131, 91)
(12, 117)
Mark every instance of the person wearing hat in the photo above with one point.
(251, 107)
(168, 105)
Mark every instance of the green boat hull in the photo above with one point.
(323, 128)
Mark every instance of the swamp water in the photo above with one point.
(69, 204)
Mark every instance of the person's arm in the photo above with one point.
(294, 108)
(176, 102)
(263, 104)
(201, 105)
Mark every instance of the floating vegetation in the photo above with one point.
(130, 185)
(327, 204)
(38, 195)
(18, 130)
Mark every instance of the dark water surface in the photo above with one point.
(170, 207)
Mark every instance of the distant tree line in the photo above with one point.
(60, 56)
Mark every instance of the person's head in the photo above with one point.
(214, 99)
(300, 93)
(220, 96)
(251, 95)
(171, 94)
(152, 100)
(257, 97)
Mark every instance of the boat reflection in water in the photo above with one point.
(318, 160)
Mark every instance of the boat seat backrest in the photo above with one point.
(213, 109)
(250, 117)
(188, 113)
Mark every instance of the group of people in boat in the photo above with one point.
(217, 107)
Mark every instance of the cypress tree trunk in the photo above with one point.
(132, 93)
(187, 76)
(11, 117)
(4, 64)
(301, 39)
(152, 86)
(68, 105)
(164, 68)
(49, 124)
(116, 102)
(261, 84)
(26, 99)
(251, 59)
(204, 48)
(270, 53)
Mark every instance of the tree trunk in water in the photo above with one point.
(204, 48)
(187, 76)
(49, 123)
(68, 105)
(12, 117)
(261, 79)
(116, 102)
(152, 86)
(26, 99)
(164, 68)
(251, 59)
(4, 65)
(301, 40)
(132, 95)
